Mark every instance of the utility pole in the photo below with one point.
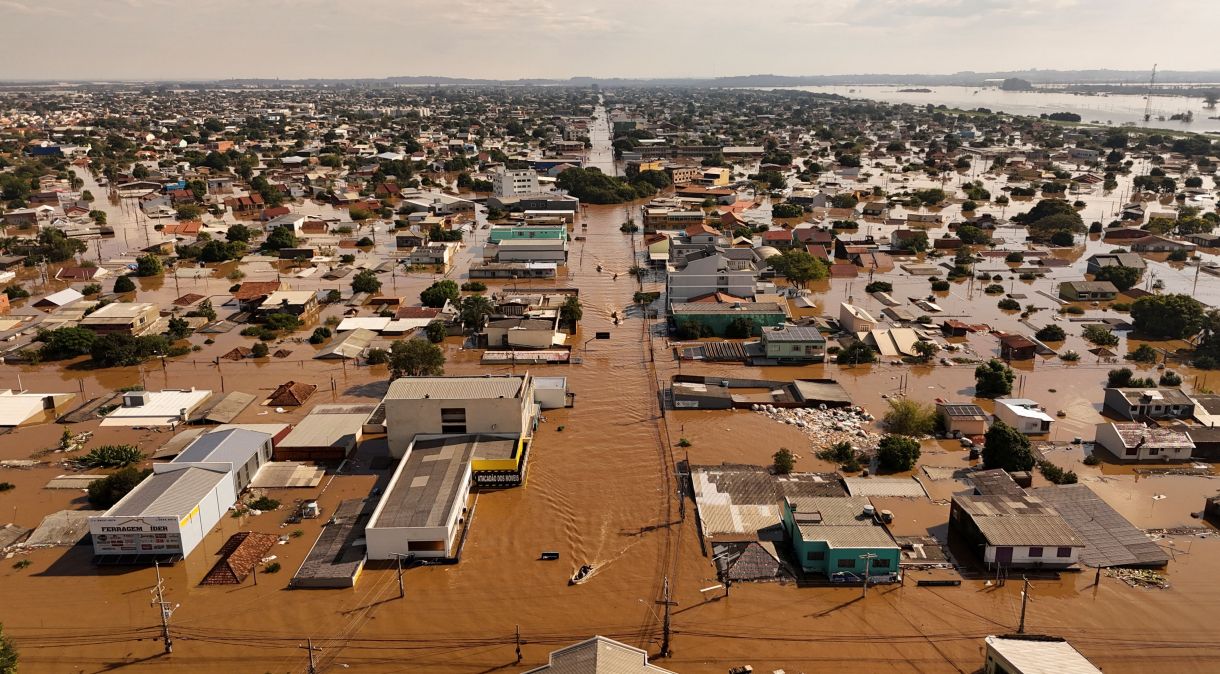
(165, 608)
(313, 666)
(518, 643)
(1024, 601)
(665, 632)
(868, 558)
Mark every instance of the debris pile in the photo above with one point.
(1140, 578)
(825, 427)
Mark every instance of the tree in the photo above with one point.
(798, 266)
(1143, 354)
(416, 358)
(1051, 333)
(178, 328)
(1123, 278)
(473, 310)
(1167, 316)
(1006, 448)
(320, 335)
(8, 654)
(115, 350)
(992, 379)
(1124, 378)
(570, 312)
(897, 453)
(109, 490)
(281, 237)
(239, 232)
(149, 265)
(66, 343)
(112, 456)
(1100, 335)
(282, 321)
(440, 292)
(365, 281)
(971, 235)
(221, 251)
(124, 284)
(436, 332)
(740, 328)
(855, 353)
(910, 417)
(787, 211)
(188, 212)
(259, 350)
(916, 242)
(783, 461)
(879, 287)
(926, 350)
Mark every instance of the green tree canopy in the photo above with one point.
(910, 417)
(1173, 316)
(440, 292)
(416, 358)
(365, 281)
(798, 266)
(1006, 448)
(897, 453)
(1123, 278)
(992, 379)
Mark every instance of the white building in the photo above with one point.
(156, 408)
(508, 182)
(425, 501)
(172, 510)
(17, 408)
(599, 655)
(855, 319)
(457, 405)
(1024, 415)
(1020, 654)
(1131, 441)
(711, 274)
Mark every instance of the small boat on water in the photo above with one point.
(582, 574)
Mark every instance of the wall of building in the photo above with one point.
(407, 418)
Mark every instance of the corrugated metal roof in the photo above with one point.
(235, 445)
(1110, 539)
(869, 536)
(325, 430)
(455, 388)
(1041, 656)
(1015, 520)
(171, 494)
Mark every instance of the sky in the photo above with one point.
(511, 39)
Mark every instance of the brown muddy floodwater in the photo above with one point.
(603, 491)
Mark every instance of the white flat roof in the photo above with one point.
(163, 409)
(1039, 656)
(17, 408)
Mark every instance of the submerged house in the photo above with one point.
(840, 537)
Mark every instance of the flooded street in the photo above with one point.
(603, 489)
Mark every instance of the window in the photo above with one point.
(881, 564)
(1132, 451)
(848, 563)
(815, 555)
(453, 420)
(1065, 552)
(1154, 451)
(1035, 552)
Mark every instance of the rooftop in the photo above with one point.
(1137, 435)
(456, 388)
(423, 490)
(1041, 655)
(168, 494)
(235, 445)
(1012, 520)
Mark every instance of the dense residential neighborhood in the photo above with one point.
(663, 360)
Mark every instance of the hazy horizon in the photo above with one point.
(536, 39)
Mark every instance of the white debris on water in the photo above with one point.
(825, 427)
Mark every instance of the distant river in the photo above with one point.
(1114, 109)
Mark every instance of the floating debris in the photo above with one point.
(1140, 578)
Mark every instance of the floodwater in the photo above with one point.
(1111, 109)
(601, 489)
